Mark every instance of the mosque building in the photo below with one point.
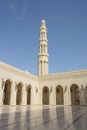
(18, 87)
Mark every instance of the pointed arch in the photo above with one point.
(7, 92)
(45, 96)
(19, 94)
(75, 99)
(28, 94)
(59, 95)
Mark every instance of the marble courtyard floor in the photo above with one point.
(43, 118)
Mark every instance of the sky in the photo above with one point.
(66, 21)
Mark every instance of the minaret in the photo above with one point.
(43, 50)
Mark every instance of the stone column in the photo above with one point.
(42, 67)
(67, 96)
(85, 92)
(46, 67)
(24, 95)
(52, 96)
(2, 83)
(41, 95)
(37, 95)
(82, 95)
(13, 94)
(34, 95)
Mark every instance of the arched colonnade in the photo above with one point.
(59, 94)
(7, 86)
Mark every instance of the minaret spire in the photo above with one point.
(43, 50)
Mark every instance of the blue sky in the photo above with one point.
(66, 21)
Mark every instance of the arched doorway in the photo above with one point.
(59, 95)
(7, 93)
(46, 96)
(75, 99)
(19, 94)
(29, 95)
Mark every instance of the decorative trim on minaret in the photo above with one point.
(43, 50)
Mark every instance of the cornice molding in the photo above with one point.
(60, 76)
(65, 75)
(15, 70)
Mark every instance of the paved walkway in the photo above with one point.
(43, 118)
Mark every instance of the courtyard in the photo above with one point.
(43, 117)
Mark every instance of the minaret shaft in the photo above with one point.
(43, 50)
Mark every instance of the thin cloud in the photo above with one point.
(19, 8)
(11, 5)
(3, 5)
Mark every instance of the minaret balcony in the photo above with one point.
(43, 54)
(43, 27)
(43, 39)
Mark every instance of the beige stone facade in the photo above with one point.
(19, 87)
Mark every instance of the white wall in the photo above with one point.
(37, 83)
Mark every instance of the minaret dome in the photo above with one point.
(43, 23)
